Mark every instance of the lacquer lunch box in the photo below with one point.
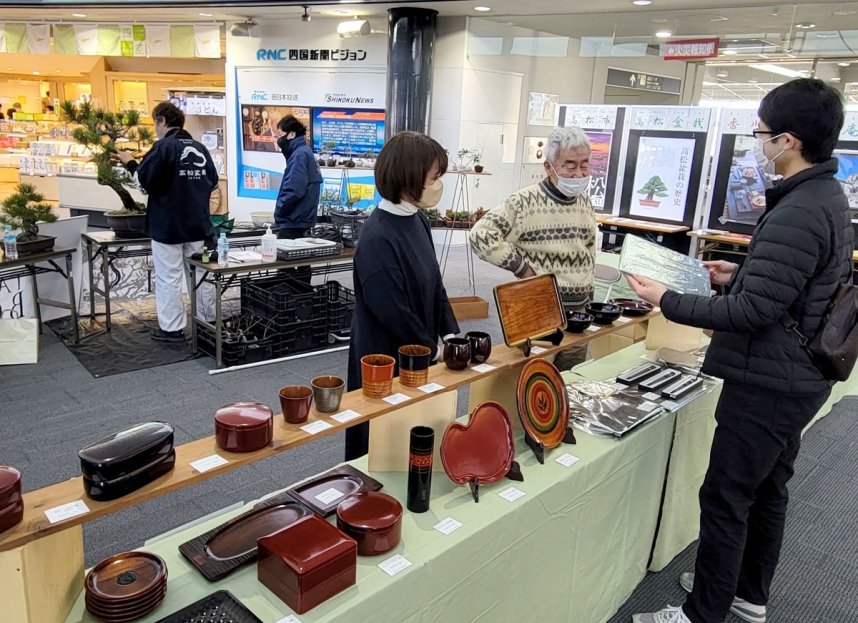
(373, 519)
(307, 563)
(244, 426)
(127, 460)
(11, 502)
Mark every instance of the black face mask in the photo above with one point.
(282, 141)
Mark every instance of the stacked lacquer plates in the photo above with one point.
(126, 587)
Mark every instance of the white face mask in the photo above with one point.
(766, 164)
(431, 195)
(572, 186)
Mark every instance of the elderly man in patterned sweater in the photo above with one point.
(549, 227)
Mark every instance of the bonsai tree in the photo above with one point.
(464, 157)
(100, 131)
(476, 156)
(328, 148)
(24, 209)
(653, 188)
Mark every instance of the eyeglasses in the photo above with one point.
(757, 133)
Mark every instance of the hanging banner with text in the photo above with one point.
(688, 49)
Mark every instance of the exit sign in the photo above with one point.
(643, 82)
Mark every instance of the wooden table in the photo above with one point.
(28, 266)
(109, 248)
(225, 277)
(670, 236)
(34, 589)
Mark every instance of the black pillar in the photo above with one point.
(410, 53)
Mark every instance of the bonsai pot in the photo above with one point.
(126, 225)
(37, 245)
(350, 163)
(478, 168)
(649, 204)
(332, 162)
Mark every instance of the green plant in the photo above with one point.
(463, 155)
(24, 209)
(653, 188)
(476, 155)
(100, 131)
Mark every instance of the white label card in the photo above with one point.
(326, 497)
(447, 526)
(651, 396)
(538, 350)
(290, 619)
(396, 399)
(210, 462)
(619, 386)
(567, 460)
(316, 427)
(482, 368)
(647, 406)
(346, 416)
(512, 494)
(624, 319)
(593, 328)
(66, 511)
(394, 565)
(430, 388)
(670, 405)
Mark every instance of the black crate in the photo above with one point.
(341, 304)
(283, 300)
(301, 337)
(238, 353)
(349, 224)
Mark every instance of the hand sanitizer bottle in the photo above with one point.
(269, 245)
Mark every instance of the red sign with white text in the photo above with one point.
(689, 48)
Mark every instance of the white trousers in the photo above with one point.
(170, 272)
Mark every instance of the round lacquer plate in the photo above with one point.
(543, 406)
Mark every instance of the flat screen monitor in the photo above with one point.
(348, 132)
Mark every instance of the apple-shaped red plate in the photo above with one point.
(480, 452)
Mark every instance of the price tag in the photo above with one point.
(670, 405)
(326, 497)
(647, 406)
(66, 511)
(624, 319)
(538, 350)
(394, 565)
(619, 387)
(396, 399)
(346, 416)
(567, 460)
(512, 494)
(290, 619)
(210, 462)
(430, 388)
(483, 368)
(593, 328)
(316, 427)
(651, 396)
(447, 526)
(655, 310)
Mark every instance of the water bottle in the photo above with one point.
(222, 250)
(269, 245)
(10, 243)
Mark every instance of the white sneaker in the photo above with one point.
(745, 610)
(667, 615)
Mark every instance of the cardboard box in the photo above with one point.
(19, 341)
(469, 307)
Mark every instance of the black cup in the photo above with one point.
(481, 346)
(457, 353)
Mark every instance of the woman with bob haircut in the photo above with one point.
(399, 295)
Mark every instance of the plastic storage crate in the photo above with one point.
(301, 337)
(349, 224)
(283, 300)
(341, 304)
(238, 353)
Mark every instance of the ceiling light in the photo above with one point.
(641, 2)
(776, 69)
(827, 35)
(720, 18)
(353, 28)
(663, 34)
(306, 17)
(341, 12)
(658, 20)
(752, 81)
(36, 73)
(206, 14)
(836, 79)
(805, 26)
(78, 14)
(482, 9)
(844, 13)
(729, 52)
(843, 64)
(721, 74)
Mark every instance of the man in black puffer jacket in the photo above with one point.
(800, 252)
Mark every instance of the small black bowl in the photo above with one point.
(633, 307)
(576, 322)
(604, 313)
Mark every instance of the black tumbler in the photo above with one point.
(420, 468)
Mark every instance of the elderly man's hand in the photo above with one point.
(647, 289)
(528, 272)
(124, 156)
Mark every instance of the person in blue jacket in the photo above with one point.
(179, 175)
(298, 199)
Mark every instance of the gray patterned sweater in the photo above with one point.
(540, 227)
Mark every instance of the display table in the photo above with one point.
(109, 248)
(35, 264)
(709, 241)
(670, 236)
(225, 277)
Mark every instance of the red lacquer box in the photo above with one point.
(373, 519)
(11, 502)
(307, 563)
(244, 426)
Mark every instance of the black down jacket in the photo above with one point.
(801, 250)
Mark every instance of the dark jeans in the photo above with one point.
(744, 496)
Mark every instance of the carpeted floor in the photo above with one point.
(52, 409)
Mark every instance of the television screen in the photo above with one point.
(347, 132)
(259, 125)
(662, 178)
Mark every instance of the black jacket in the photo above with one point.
(298, 199)
(179, 176)
(801, 250)
(399, 296)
